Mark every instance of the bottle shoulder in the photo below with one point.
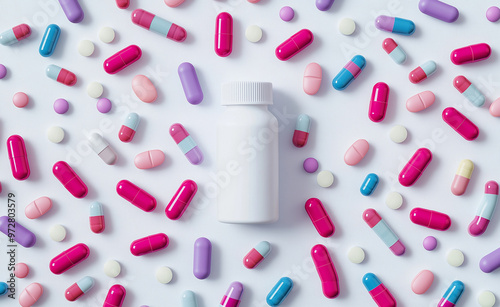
(254, 115)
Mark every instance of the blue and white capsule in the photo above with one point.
(464, 86)
(279, 292)
(452, 295)
(350, 72)
(49, 40)
(369, 184)
(188, 299)
(396, 53)
(129, 127)
(301, 133)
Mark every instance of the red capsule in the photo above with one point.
(122, 59)
(295, 44)
(224, 34)
(135, 195)
(69, 258)
(326, 271)
(18, 157)
(378, 102)
(470, 54)
(69, 179)
(179, 203)
(149, 244)
(319, 217)
(460, 123)
(431, 219)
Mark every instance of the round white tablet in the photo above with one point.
(95, 89)
(253, 33)
(486, 299)
(86, 47)
(347, 26)
(455, 257)
(394, 200)
(398, 134)
(112, 268)
(356, 254)
(55, 134)
(106, 35)
(325, 179)
(57, 232)
(164, 274)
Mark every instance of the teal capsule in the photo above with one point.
(279, 292)
(189, 299)
(3, 288)
(350, 72)
(369, 185)
(49, 40)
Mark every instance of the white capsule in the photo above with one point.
(102, 148)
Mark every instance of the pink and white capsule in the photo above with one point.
(485, 211)
(79, 288)
(394, 51)
(375, 221)
(466, 88)
(129, 127)
(96, 219)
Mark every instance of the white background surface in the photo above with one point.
(339, 118)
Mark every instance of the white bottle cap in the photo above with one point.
(247, 93)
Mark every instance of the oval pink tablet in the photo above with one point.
(356, 152)
(149, 159)
(173, 3)
(31, 294)
(38, 207)
(495, 108)
(420, 102)
(144, 89)
(422, 282)
(312, 78)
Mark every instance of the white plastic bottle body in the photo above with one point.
(247, 165)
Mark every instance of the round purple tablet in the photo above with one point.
(61, 106)
(3, 71)
(430, 243)
(104, 105)
(286, 13)
(493, 14)
(310, 165)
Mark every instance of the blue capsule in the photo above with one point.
(350, 72)
(369, 185)
(3, 288)
(279, 292)
(453, 294)
(189, 299)
(49, 40)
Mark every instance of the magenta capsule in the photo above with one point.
(115, 296)
(415, 167)
(223, 34)
(319, 217)
(123, 58)
(186, 143)
(69, 179)
(485, 210)
(135, 195)
(159, 25)
(470, 54)
(15, 34)
(378, 102)
(61, 75)
(181, 199)
(460, 123)
(149, 244)
(430, 219)
(295, 44)
(69, 258)
(301, 133)
(421, 73)
(18, 157)
(257, 254)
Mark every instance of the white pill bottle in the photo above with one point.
(247, 155)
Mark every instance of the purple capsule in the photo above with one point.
(15, 230)
(202, 258)
(490, 262)
(324, 5)
(72, 9)
(190, 83)
(439, 10)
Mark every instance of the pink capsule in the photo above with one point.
(135, 195)
(431, 219)
(378, 102)
(122, 59)
(158, 25)
(223, 34)
(186, 143)
(123, 4)
(96, 218)
(470, 54)
(415, 167)
(295, 44)
(15, 34)
(319, 217)
(301, 132)
(129, 127)
(61, 75)
(181, 200)
(149, 244)
(462, 177)
(79, 288)
(18, 157)
(257, 254)
(461, 124)
(69, 258)
(421, 73)
(485, 211)
(326, 271)
(69, 179)
(394, 51)
(115, 297)
(380, 227)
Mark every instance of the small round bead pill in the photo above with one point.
(310, 165)
(61, 106)
(253, 1)
(356, 254)
(57, 232)
(21, 270)
(3, 71)
(394, 200)
(430, 243)
(493, 14)
(104, 105)
(398, 134)
(20, 99)
(486, 299)
(253, 33)
(347, 26)
(455, 257)
(164, 274)
(86, 47)
(55, 134)
(106, 35)
(112, 268)
(95, 89)
(287, 13)
(325, 179)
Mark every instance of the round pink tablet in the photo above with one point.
(149, 159)
(495, 108)
(38, 207)
(356, 152)
(20, 100)
(422, 282)
(420, 102)
(144, 88)
(21, 270)
(312, 78)
(493, 14)
(31, 294)
(173, 3)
